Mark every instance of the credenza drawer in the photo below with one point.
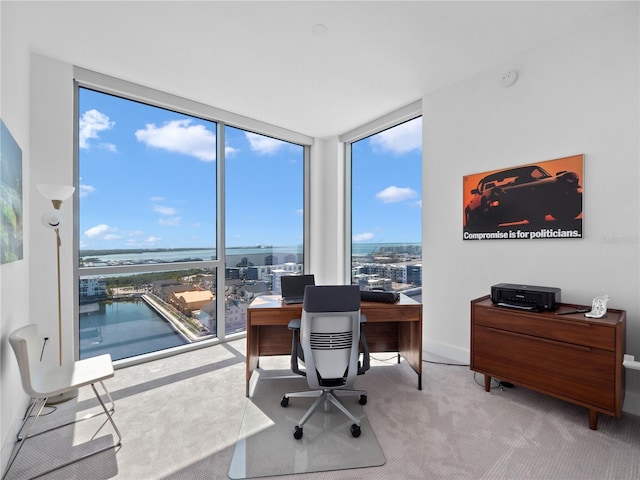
(584, 374)
(558, 328)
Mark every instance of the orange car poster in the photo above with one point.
(533, 201)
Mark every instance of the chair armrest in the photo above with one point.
(365, 349)
(294, 324)
(296, 347)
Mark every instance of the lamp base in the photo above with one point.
(63, 397)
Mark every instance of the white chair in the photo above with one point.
(42, 382)
(330, 337)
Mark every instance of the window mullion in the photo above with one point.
(220, 229)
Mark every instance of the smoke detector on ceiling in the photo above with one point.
(319, 29)
(509, 78)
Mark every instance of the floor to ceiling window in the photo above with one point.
(386, 209)
(264, 204)
(183, 220)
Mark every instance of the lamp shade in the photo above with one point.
(52, 219)
(55, 192)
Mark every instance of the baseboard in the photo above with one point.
(9, 440)
(8, 443)
(456, 354)
(631, 403)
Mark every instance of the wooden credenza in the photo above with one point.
(570, 357)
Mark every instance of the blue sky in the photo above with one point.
(387, 186)
(148, 180)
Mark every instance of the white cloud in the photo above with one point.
(157, 199)
(85, 190)
(395, 194)
(180, 136)
(400, 139)
(91, 123)
(363, 237)
(147, 242)
(164, 210)
(99, 231)
(109, 147)
(170, 222)
(264, 145)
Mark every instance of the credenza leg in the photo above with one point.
(487, 383)
(593, 419)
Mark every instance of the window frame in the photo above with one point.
(390, 120)
(101, 83)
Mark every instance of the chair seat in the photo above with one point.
(51, 381)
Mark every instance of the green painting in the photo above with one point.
(10, 197)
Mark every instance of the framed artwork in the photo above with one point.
(535, 201)
(11, 215)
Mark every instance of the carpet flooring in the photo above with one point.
(181, 416)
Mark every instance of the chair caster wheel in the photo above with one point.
(297, 432)
(362, 400)
(355, 430)
(284, 402)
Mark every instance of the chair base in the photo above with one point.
(39, 404)
(63, 397)
(325, 397)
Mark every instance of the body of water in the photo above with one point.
(210, 254)
(125, 329)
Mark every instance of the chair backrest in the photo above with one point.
(26, 346)
(330, 335)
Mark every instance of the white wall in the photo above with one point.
(577, 94)
(14, 284)
(327, 258)
(51, 125)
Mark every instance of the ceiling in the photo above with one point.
(262, 59)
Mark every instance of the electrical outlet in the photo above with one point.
(629, 361)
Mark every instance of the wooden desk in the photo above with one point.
(390, 327)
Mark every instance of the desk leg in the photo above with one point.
(593, 419)
(487, 383)
(253, 355)
(410, 346)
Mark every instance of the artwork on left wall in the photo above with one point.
(541, 200)
(11, 215)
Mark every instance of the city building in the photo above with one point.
(92, 289)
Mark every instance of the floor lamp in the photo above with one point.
(54, 219)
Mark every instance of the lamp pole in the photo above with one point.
(58, 244)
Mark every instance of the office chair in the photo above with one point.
(43, 382)
(329, 336)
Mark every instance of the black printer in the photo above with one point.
(525, 297)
